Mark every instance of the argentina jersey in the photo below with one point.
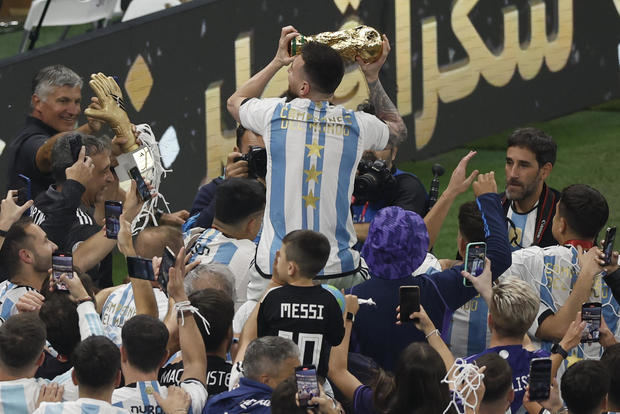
(81, 406)
(9, 296)
(552, 272)
(138, 397)
(469, 334)
(313, 149)
(120, 306)
(20, 396)
(211, 246)
(521, 228)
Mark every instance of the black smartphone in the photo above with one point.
(75, 144)
(608, 246)
(167, 261)
(307, 384)
(113, 210)
(24, 190)
(140, 268)
(475, 256)
(591, 315)
(61, 263)
(143, 190)
(540, 379)
(409, 302)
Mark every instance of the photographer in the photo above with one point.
(241, 163)
(380, 184)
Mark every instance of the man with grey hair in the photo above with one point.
(513, 308)
(211, 275)
(55, 106)
(267, 362)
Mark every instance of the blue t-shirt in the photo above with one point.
(250, 397)
(519, 360)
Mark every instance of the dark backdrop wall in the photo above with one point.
(458, 70)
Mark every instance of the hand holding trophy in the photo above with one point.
(112, 110)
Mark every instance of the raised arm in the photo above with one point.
(338, 373)
(459, 183)
(384, 107)
(10, 212)
(192, 345)
(254, 87)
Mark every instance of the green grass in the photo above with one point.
(587, 153)
(9, 42)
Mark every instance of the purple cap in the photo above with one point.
(397, 243)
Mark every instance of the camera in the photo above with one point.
(374, 181)
(257, 161)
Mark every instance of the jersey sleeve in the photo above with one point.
(197, 394)
(255, 114)
(90, 323)
(374, 131)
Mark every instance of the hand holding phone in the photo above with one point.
(475, 256)
(167, 261)
(591, 315)
(608, 246)
(24, 191)
(307, 384)
(113, 210)
(409, 302)
(540, 379)
(62, 263)
(143, 189)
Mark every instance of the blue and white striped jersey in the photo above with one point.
(212, 246)
(313, 149)
(81, 406)
(120, 306)
(20, 396)
(138, 397)
(9, 295)
(522, 234)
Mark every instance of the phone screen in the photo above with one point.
(608, 247)
(140, 268)
(113, 210)
(24, 190)
(409, 301)
(540, 379)
(591, 315)
(474, 260)
(61, 263)
(143, 190)
(167, 261)
(307, 384)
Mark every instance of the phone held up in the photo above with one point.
(591, 315)
(307, 384)
(167, 261)
(140, 268)
(475, 257)
(409, 302)
(540, 379)
(608, 246)
(113, 210)
(62, 263)
(143, 189)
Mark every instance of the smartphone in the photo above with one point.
(591, 315)
(113, 210)
(540, 379)
(143, 190)
(24, 190)
(140, 268)
(307, 384)
(409, 302)
(475, 256)
(608, 246)
(167, 261)
(75, 144)
(61, 263)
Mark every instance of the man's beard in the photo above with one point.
(290, 95)
(524, 192)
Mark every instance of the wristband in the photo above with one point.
(557, 349)
(83, 300)
(350, 317)
(434, 331)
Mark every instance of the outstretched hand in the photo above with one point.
(10, 212)
(460, 181)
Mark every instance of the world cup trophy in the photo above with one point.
(362, 41)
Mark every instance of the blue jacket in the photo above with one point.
(375, 333)
(250, 397)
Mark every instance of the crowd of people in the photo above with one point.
(281, 288)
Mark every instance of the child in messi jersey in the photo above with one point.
(300, 309)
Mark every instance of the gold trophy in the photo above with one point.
(362, 41)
